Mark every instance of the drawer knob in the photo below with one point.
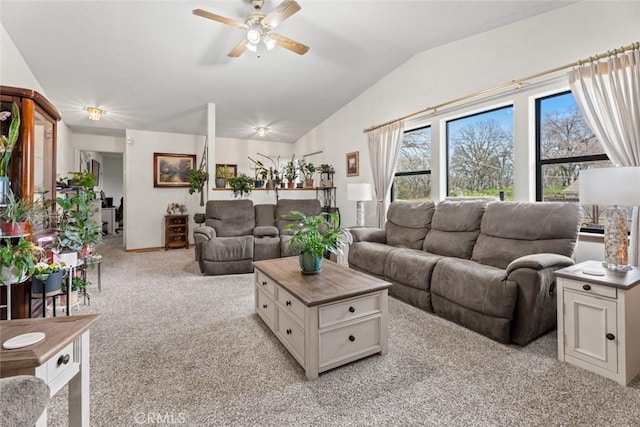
(264, 283)
(288, 331)
(63, 359)
(288, 302)
(352, 310)
(610, 336)
(586, 287)
(264, 305)
(352, 338)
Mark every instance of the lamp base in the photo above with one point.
(616, 240)
(360, 213)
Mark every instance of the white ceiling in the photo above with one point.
(153, 65)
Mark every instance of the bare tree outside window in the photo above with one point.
(481, 154)
(412, 179)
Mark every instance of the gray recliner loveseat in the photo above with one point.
(485, 265)
(237, 232)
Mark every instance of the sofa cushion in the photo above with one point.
(265, 231)
(228, 249)
(231, 217)
(510, 230)
(408, 223)
(265, 215)
(286, 206)
(411, 267)
(455, 228)
(369, 256)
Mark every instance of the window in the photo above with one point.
(566, 145)
(412, 179)
(480, 154)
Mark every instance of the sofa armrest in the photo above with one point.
(203, 233)
(266, 231)
(376, 235)
(539, 262)
(24, 399)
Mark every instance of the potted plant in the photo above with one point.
(7, 143)
(86, 180)
(240, 185)
(261, 173)
(78, 284)
(46, 277)
(326, 175)
(313, 235)
(77, 229)
(197, 179)
(307, 170)
(18, 260)
(16, 213)
(223, 174)
(291, 173)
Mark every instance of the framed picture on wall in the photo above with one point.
(172, 170)
(95, 170)
(353, 163)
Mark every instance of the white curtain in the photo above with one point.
(608, 93)
(384, 148)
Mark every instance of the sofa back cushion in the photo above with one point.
(230, 217)
(286, 206)
(455, 228)
(513, 229)
(408, 223)
(265, 215)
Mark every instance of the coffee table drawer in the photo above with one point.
(350, 341)
(265, 307)
(291, 334)
(61, 363)
(349, 309)
(265, 283)
(291, 304)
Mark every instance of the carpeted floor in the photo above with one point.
(174, 347)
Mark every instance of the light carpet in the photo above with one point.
(175, 347)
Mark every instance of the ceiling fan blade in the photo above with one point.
(280, 13)
(239, 49)
(213, 16)
(290, 44)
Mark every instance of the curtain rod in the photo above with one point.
(516, 83)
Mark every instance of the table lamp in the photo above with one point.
(613, 187)
(360, 193)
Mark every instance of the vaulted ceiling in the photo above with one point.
(153, 65)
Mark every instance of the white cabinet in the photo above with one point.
(599, 321)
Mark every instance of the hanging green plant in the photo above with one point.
(241, 185)
(197, 180)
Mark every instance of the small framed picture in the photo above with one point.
(353, 163)
(172, 170)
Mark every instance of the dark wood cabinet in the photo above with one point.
(176, 231)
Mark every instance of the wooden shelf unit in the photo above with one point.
(176, 231)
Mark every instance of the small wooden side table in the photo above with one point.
(176, 231)
(61, 357)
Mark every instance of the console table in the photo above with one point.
(61, 357)
(325, 320)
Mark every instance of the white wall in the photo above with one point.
(113, 178)
(466, 66)
(15, 72)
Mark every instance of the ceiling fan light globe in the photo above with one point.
(253, 35)
(269, 42)
(252, 47)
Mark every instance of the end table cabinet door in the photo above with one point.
(591, 332)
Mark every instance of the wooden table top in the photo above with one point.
(614, 279)
(334, 283)
(59, 332)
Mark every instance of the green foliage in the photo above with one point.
(317, 234)
(77, 284)
(21, 257)
(240, 185)
(86, 180)
(197, 179)
(77, 228)
(290, 171)
(307, 169)
(224, 171)
(18, 210)
(326, 168)
(7, 143)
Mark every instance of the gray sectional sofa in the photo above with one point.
(237, 232)
(485, 265)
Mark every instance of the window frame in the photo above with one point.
(411, 173)
(540, 162)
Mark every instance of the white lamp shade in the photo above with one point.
(610, 186)
(359, 192)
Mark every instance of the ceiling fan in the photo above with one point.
(259, 25)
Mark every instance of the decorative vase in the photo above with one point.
(221, 182)
(70, 259)
(311, 263)
(10, 276)
(52, 283)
